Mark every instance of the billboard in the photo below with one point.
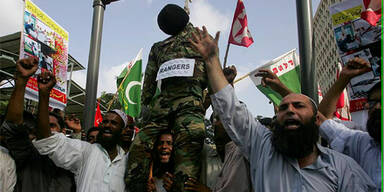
(47, 41)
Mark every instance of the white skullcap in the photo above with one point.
(122, 115)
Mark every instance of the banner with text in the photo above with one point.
(355, 37)
(287, 68)
(44, 39)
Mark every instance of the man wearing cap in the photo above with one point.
(179, 74)
(97, 167)
(288, 157)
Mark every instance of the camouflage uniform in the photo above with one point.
(179, 107)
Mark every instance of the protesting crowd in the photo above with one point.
(169, 152)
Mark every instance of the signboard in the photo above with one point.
(44, 39)
(357, 38)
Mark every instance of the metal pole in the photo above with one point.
(70, 82)
(307, 65)
(93, 64)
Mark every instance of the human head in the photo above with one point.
(172, 19)
(56, 123)
(220, 136)
(374, 110)
(164, 147)
(295, 132)
(127, 133)
(110, 129)
(92, 134)
(59, 112)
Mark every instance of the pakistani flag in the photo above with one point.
(129, 86)
(287, 68)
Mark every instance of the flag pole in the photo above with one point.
(117, 91)
(226, 56)
(241, 78)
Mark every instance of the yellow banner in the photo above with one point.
(346, 15)
(45, 19)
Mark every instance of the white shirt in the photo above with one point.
(159, 183)
(7, 171)
(90, 163)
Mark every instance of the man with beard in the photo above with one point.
(98, 167)
(287, 158)
(363, 147)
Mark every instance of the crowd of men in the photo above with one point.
(282, 154)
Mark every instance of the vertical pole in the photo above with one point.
(70, 82)
(226, 56)
(307, 64)
(93, 64)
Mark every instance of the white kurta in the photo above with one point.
(93, 169)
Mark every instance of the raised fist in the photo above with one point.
(46, 80)
(25, 68)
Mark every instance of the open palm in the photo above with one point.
(204, 43)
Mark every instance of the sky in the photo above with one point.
(131, 24)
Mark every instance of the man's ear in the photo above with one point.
(320, 118)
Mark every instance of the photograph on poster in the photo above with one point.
(355, 35)
(30, 25)
(31, 46)
(362, 83)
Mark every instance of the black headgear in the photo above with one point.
(172, 19)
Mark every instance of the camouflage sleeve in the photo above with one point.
(149, 87)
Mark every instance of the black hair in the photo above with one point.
(158, 168)
(91, 130)
(60, 120)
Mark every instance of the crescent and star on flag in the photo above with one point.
(129, 86)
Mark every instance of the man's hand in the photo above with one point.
(73, 123)
(46, 80)
(193, 185)
(25, 68)
(168, 181)
(230, 73)
(151, 187)
(204, 43)
(355, 67)
(269, 79)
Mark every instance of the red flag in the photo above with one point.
(371, 11)
(240, 34)
(342, 106)
(98, 117)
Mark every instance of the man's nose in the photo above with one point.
(290, 108)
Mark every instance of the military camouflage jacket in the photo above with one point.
(174, 88)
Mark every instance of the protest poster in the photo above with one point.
(44, 39)
(355, 37)
(287, 68)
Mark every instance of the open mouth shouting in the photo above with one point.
(291, 124)
(165, 156)
(107, 132)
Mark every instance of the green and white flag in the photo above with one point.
(129, 86)
(287, 68)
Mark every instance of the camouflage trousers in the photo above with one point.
(186, 122)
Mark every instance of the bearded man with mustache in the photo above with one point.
(289, 158)
(363, 147)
